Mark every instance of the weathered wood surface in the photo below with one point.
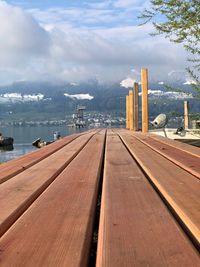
(57, 228)
(18, 193)
(136, 229)
(10, 169)
(179, 188)
(149, 209)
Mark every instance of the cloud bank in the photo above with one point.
(16, 97)
(80, 96)
(80, 43)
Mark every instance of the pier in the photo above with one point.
(102, 198)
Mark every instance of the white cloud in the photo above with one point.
(127, 83)
(107, 52)
(72, 17)
(189, 82)
(55, 45)
(22, 39)
(128, 3)
(169, 94)
(74, 84)
(16, 97)
(80, 96)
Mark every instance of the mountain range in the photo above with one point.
(34, 100)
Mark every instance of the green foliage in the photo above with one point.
(178, 20)
(195, 116)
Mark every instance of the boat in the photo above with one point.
(40, 143)
(6, 141)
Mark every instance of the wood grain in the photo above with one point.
(145, 109)
(180, 189)
(12, 168)
(185, 147)
(57, 229)
(185, 160)
(136, 106)
(136, 229)
(18, 193)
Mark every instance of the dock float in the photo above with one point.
(105, 198)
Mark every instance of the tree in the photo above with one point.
(178, 20)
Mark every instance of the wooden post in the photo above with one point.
(186, 119)
(135, 105)
(131, 109)
(144, 83)
(127, 112)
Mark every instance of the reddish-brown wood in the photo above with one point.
(185, 160)
(18, 193)
(47, 210)
(12, 168)
(136, 229)
(180, 189)
(185, 147)
(57, 229)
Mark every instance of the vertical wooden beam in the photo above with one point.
(127, 112)
(186, 118)
(131, 109)
(136, 107)
(144, 83)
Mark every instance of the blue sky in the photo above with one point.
(108, 13)
(81, 40)
(44, 3)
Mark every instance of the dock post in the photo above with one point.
(186, 118)
(136, 107)
(127, 112)
(131, 109)
(144, 83)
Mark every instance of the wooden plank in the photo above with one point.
(131, 115)
(12, 168)
(127, 112)
(136, 107)
(180, 189)
(136, 228)
(181, 158)
(185, 147)
(186, 116)
(60, 221)
(145, 115)
(18, 193)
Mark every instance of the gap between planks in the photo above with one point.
(133, 219)
(179, 189)
(183, 159)
(60, 221)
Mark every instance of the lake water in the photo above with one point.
(24, 136)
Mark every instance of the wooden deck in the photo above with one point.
(146, 187)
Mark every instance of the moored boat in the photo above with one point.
(6, 141)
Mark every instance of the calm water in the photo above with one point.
(24, 136)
